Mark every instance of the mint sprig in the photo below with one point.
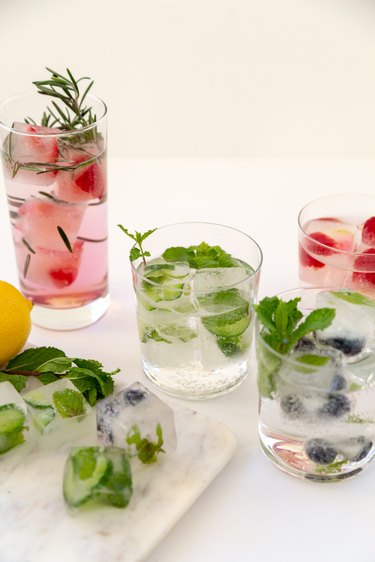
(147, 451)
(139, 238)
(201, 256)
(281, 322)
(50, 364)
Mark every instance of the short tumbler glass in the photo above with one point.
(195, 318)
(316, 421)
(337, 242)
(56, 186)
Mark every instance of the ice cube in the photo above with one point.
(163, 285)
(51, 268)
(86, 180)
(353, 328)
(119, 417)
(34, 146)
(59, 413)
(213, 279)
(15, 438)
(97, 475)
(40, 222)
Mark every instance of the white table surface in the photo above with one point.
(252, 511)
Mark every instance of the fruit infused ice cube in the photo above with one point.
(14, 434)
(34, 144)
(134, 413)
(97, 475)
(59, 413)
(48, 224)
(353, 328)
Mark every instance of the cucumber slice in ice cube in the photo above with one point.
(84, 472)
(44, 413)
(12, 421)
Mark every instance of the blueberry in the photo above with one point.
(346, 345)
(305, 345)
(338, 383)
(292, 405)
(365, 445)
(336, 406)
(320, 451)
(133, 396)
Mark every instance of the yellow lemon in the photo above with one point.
(15, 323)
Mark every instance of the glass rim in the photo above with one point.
(314, 368)
(58, 133)
(250, 239)
(319, 244)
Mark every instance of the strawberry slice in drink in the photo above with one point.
(54, 268)
(87, 181)
(39, 219)
(33, 146)
(368, 232)
(364, 265)
(325, 242)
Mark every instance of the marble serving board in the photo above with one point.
(36, 526)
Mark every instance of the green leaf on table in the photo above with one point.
(40, 359)
(69, 403)
(90, 379)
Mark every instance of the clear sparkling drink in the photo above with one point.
(195, 317)
(316, 406)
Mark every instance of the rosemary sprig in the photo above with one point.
(66, 89)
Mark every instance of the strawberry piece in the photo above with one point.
(308, 261)
(368, 232)
(324, 243)
(83, 184)
(365, 266)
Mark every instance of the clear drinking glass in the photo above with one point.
(337, 242)
(196, 322)
(56, 186)
(317, 403)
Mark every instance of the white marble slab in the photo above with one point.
(35, 525)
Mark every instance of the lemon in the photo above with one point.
(15, 323)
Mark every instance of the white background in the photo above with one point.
(209, 78)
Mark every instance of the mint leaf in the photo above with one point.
(91, 380)
(354, 298)
(201, 256)
(69, 403)
(36, 359)
(318, 319)
(18, 381)
(265, 311)
(311, 359)
(48, 377)
(147, 451)
(138, 238)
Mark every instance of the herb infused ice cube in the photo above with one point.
(138, 420)
(14, 434)
(194, 306)
(316, 381)
(59, 413)
(97, 475)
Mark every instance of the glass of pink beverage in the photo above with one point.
(337, 242)
(56, 186)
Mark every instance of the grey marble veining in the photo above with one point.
(35, 525)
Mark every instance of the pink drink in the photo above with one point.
(338, 250)
(76, 202)
(56, 186)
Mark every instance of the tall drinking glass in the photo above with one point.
(194, 307)
(56, 186)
